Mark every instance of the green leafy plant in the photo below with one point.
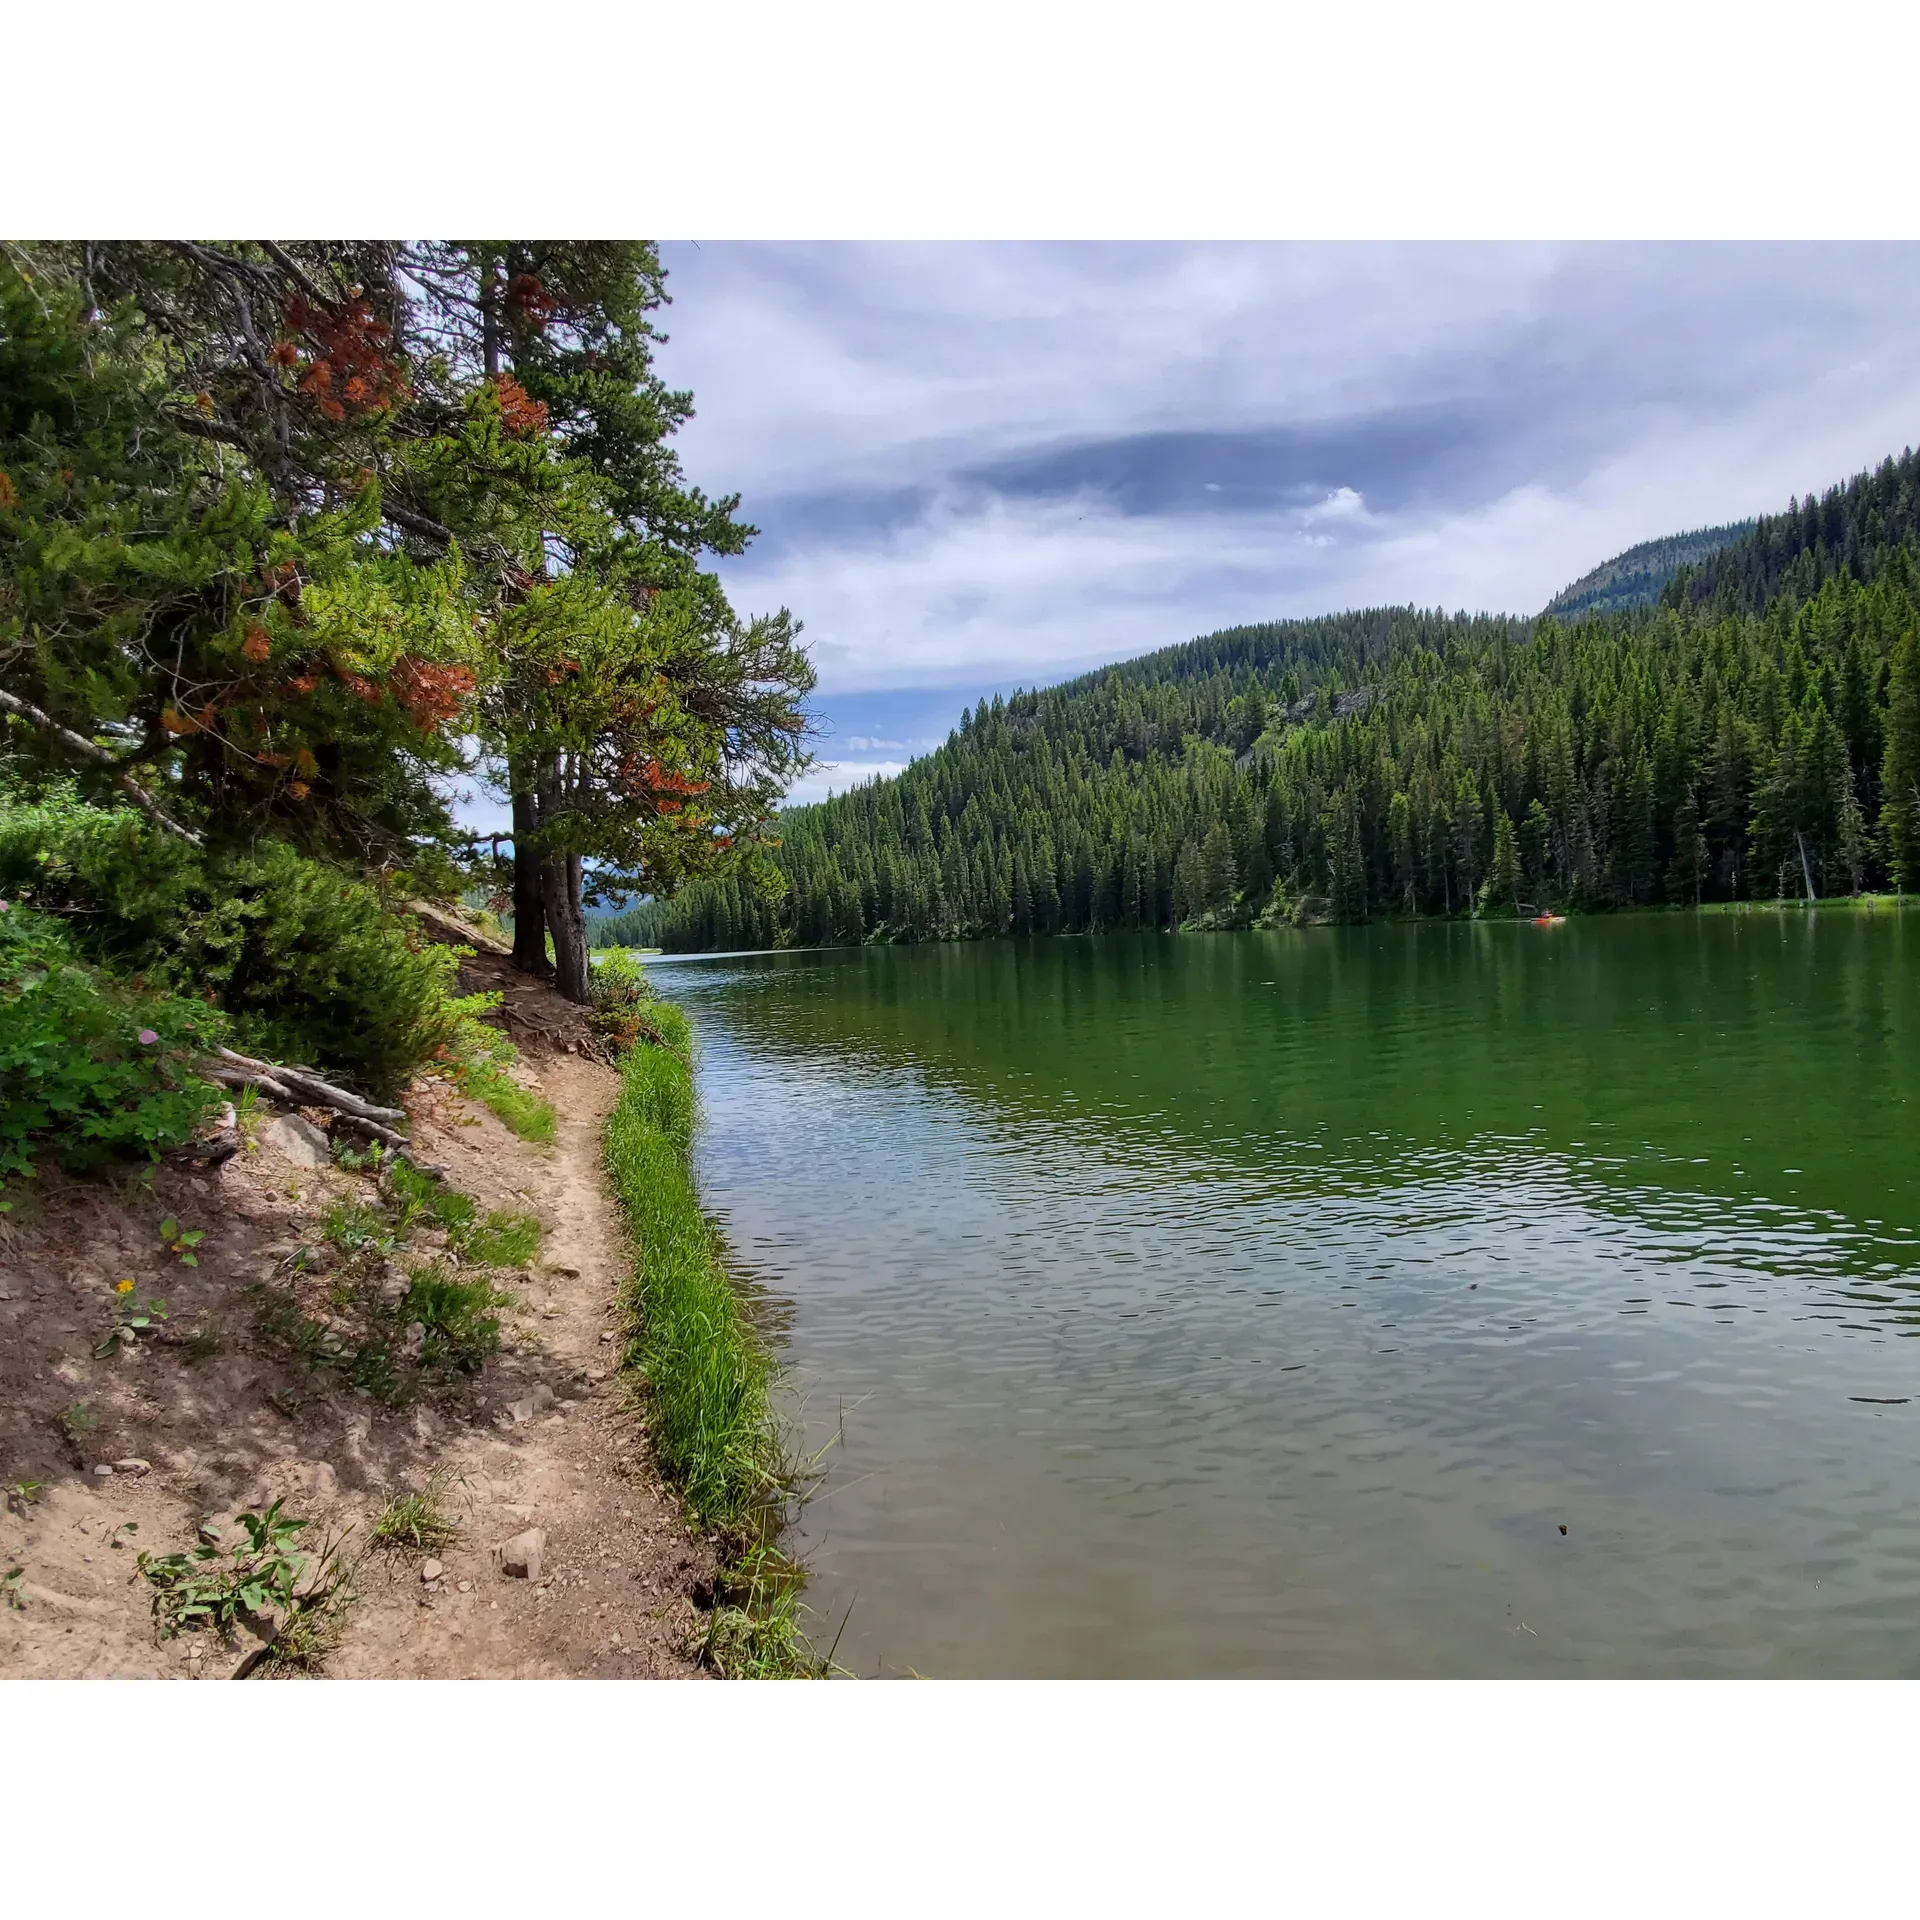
(76, 1422)
(351, 1227)
(414, 1195)
(455, 1320)
(91, 1070)
(437, 1333)
(176, 1241)
(10, 1583)
(213, 1585)
(131, 1315)
(21, 1495)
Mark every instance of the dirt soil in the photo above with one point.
(195, 1421)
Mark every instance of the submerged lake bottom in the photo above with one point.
(1467, 1300)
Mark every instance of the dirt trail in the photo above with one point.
(231, 1429)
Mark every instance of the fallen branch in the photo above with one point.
(260, 1082)
(293, 1087)
(373, 1130)
(320, 1093)
(77, 743)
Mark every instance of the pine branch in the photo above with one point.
(76, 743)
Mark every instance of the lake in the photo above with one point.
(1407, 1300)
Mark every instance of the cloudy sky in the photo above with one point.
(976, 467)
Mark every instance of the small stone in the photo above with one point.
(298, 1140)
(542, 1397)
(521, 1557)
(431, 1570)
(606, 1336)
(133, 1466)
(522, 1412)
(466, 1586)
(103, 1471)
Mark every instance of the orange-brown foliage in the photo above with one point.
(521, 415)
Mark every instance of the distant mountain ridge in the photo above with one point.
(1729, 715)
(1857, 530)
(1638, 577)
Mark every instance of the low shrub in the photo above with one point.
(308, 962)
(91, 1070)
(624, 1009)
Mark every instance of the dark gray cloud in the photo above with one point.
(975, 465)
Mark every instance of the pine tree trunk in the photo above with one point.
(567, 915)
(529, 889)
(563, 896)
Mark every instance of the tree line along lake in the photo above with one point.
(1418, 1299)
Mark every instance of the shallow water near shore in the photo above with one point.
(1407, 1300)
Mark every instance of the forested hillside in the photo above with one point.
(1637, 577)
(1757, 735)
(1853, 532)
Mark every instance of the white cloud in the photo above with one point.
(1527, 411)
(837, 776)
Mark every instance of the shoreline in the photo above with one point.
(704, 1368)
(1869, 904)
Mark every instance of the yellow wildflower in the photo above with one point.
(123, 1286)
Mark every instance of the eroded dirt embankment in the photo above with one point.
(213, 1418)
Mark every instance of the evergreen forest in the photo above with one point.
(1754, 735)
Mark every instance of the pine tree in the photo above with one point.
(1900, 775)
(1502, 889)
(1400, 840)
(1217, 880)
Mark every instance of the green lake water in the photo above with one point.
(1254, 1304)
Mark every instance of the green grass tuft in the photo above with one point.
(418, 1522)
(502, 1240)
(521, 1112)
(707, 1373)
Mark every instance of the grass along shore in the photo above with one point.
(704, 1368)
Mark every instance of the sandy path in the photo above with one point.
(611, 1600)
(614, 1596)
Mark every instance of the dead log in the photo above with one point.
(371, 1130)
(321, 1092)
